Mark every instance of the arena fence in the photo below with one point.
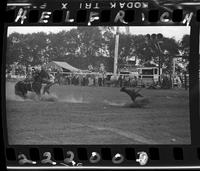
(105, 79)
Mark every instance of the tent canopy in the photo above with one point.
(64, 66)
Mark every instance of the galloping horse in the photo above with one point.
(22, 87)
(34, 85)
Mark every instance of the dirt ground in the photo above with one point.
(98, 115)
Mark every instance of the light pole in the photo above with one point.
(116, 51)
(173, 70)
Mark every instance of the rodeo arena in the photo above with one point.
(55, 102)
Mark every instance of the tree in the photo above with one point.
(34, 47)
(109, 40)
(170, 48)
(13, 48)
(185, 46)
(57, 45)
(141, 49)
(148, 51)
(72, 41)
(90, 39)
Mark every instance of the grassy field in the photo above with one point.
(98, 115)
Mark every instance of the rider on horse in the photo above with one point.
(33, 83)
(42, 76)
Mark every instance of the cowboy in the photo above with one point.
(30, 75)
(58, 76)
(45, 75)
(49, 82)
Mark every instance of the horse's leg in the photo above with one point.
(47, 87)
(38, 94)
(20, 94)
(37, 88)
(44, 89)
(48, 90)
(25, 95)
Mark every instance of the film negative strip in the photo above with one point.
(98, 13)
(101, 84)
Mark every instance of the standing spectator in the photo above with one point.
(181, 78)
(185, 78)
(102, 71)
(58, 77)
(126, 79)
(84, 80)
(166, 82)
(100, 79)
(90, 80)
(104, 78)
(120, 81)
(68, 79)
(76, 79)
(96, 80)
(73, 79)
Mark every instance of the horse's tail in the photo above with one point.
(17, 86)
(20, 89)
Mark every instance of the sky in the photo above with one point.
(176, 32)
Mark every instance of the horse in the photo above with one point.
(22, 88)
(34, 85)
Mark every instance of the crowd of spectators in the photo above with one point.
(103, 79)
(108, 79)
(96, 79)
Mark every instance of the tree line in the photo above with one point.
(90, 45)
